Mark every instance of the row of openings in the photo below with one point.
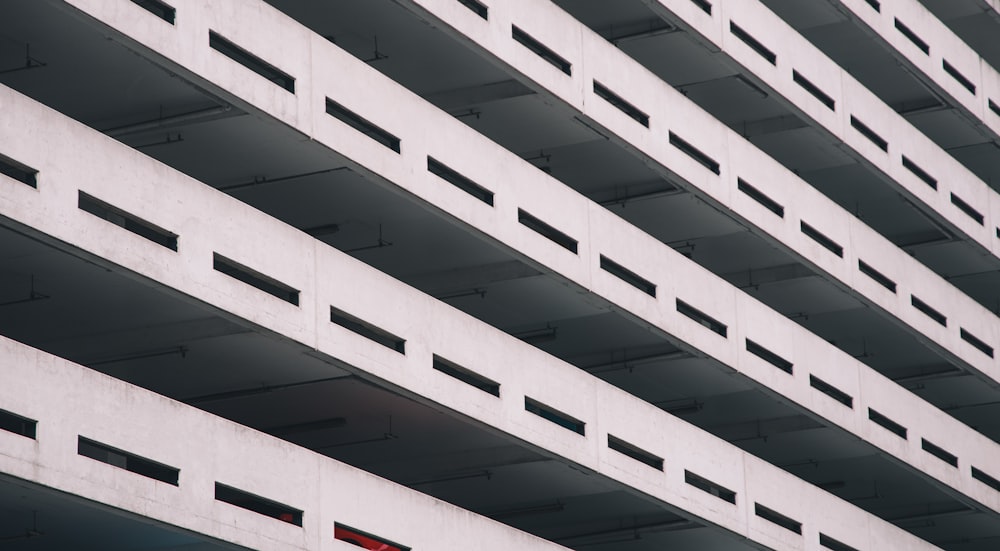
(924, 47)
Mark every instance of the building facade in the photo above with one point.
(505, 274)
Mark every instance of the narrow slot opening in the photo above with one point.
(12, 422)
(827, 541)
(831, 391)
(814, 90)
(257, 504)
(635, 452)
(359, 123)
(128, 461)
(250, 61)
(367, 330)
(886, 423)
(710, 487)
(705, 5)
(876, 275)
(928, 311)
(938, 452)
(254, 279)
(157, 8)
(547, 231)
(541, 50)
(18, 171)
(967, 209)
(986, 479)
(769, 357)
(628, 276)
(554, 416)
(994, 107)
(951, 70)
(625, 107)
(702, 318)
(466, 376)
(364, 540)
(757, 195)
(459, 181)
(870, 134)
(919, 172)
(775, 517)
(875, 5)
(478, 8)
(826, 242)
(754, 44)
(694, 153)
(134, 224)
(975, 342)
(916, 40)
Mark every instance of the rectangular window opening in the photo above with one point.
(775, 517)
(255, 279)
(886, 423)
(967, 209)
(757, 195)
(916, 40)
(919, 172)
(986, 479)
(831, 391)
(975, 342)
(694, 153)
(710, 487)
(826, 242)
(705, 5)
(830, 543)
(994, 107)
(814, 90)
(364, 540)
(478, 8)
(134, 224)
(250, 61)
(466, 376)
(870, 134)
(875, 5)
(461, 182)
(18, 171)
(359, 123)
(128, 461)
(628, 276)
(367, 330)
(938, 452)
(702, 318)
(959, 77)
(625, 107)
(878, 276)
(257, 504)
(754, 44)
(157, 8)
(557, 417)
(769, 357)
(22, 426)
(928, 311)
(635, 452)
(545, 230)
(541, 50)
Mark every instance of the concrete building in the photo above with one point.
(499, 274)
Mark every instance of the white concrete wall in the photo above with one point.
(207, 220)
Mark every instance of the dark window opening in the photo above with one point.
(628, 276)
(636, 453)
(466, 376)
(919, 172)
(710, 487)
(477, 7)
(951, 70)
(250, 61)
(18, 171)
(967, 209)
(916, 40)
(938, 452)
(760, 197)
(928, 311)
(359, 123)
(875, 5)
(128, 461)
(870, 134)
(876, 275)
(459, 181)
(625, 107)
(705, 5)
(258, 504)
(255, 279)
(11, 422)
(545, 230)
(986, 479)
(365, 540)
(886, 423)
(831, 391)
(694, 153)
(557, 417)
(702, 318)
(994, 107)
(814, 90)
(134, 224)
(826, 242)
(157, 8)
(541, 50)
(754, 44)
(976, 342)
(830, 543)
(768, 356)
(775, 517)
(367, 330)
